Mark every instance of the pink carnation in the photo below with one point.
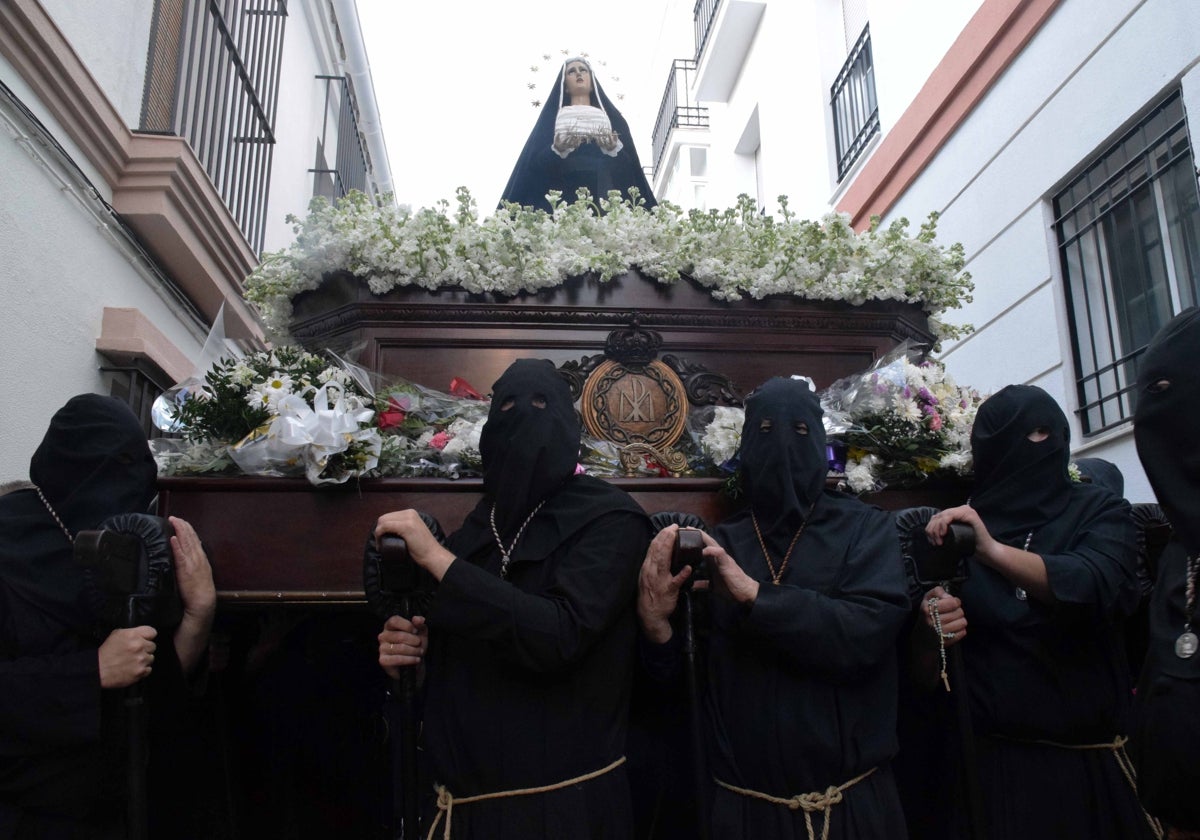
(440, 440)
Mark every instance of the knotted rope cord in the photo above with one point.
(446, 801)
(809, 803)
(1117, 745)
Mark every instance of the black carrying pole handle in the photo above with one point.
(689, 547)
(957, 672)
(402, 581)
(135, 712)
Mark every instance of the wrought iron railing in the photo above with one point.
(855, 109)
(221, 94)
(703, 16)
(677, 108)
(349, 170)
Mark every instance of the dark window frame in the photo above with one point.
(1127, 229)
(854, 105)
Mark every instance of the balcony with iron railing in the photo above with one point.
(677, 109)
(704, 15)
(214, 82)
(724, 31)
(349, 170)
(855, 108)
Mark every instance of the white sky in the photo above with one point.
(451, 79)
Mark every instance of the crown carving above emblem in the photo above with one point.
(633, 346)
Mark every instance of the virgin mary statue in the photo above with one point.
(579, 140)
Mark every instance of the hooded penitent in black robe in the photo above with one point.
(1166, 738)
(540, 169)
(1045, 678)
(528, 678)
(62, 747)
(802, 684)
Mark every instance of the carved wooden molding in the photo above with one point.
(356, 315)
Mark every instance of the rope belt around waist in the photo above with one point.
(446, 801)
(809, 803)
(1117, 747)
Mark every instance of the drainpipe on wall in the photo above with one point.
(358, 68)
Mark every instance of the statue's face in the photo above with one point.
(578, 79)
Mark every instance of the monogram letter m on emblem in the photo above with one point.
(637, 405)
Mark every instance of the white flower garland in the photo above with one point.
(736, 253)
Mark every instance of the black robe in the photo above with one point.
(1056, 673)
(62, 739)
(1166, 739)
(802, 686)
(528, 680)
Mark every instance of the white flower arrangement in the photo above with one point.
(902, 422)
(722, 436)
(736, 253)
(278, 412)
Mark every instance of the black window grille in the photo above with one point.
(213, 79)
(855, 109)
(1128, 230)
(677, 108)
(349, 170)
(703, 16)
(138, 385)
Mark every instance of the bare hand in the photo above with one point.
(193, 572)
(950, 614)
(940, 524)
(729, 580)
(658, 589)
(423, 547)
(194, 576)
(402, 644)
(126, 656)
(566, 143)
(607, 140)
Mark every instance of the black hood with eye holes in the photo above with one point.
(784, 472)
(1165, 422)
(93, 463)
(1020, 484)
(528, 451)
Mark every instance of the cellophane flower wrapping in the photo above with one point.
(903, 421)
(430, 433)
(284, 412)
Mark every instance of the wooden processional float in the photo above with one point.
(638, 354)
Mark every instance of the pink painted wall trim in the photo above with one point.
(988, 44)
(126, 334)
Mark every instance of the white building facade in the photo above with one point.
(150, 151)
(1053, 137)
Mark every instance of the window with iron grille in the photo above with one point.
(1128, 230)
(855, 109)
(213, 78)
(139, 385)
